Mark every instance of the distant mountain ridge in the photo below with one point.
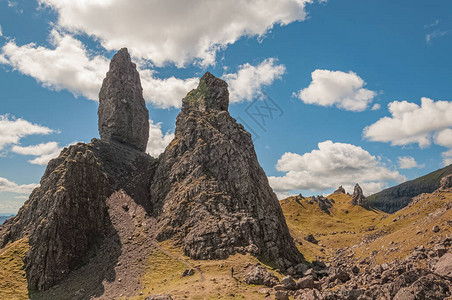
(395, 198)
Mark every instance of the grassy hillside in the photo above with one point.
(13, 284)
(368, 231)
(397, 197)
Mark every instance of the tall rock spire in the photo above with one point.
(123, 116)
(209, 190)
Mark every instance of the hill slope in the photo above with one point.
(394, 198)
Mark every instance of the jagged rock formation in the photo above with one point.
(66, 218)
(210, 190)
(446, 182)
(207, 190)
(340, 190)
(324, 203)
(392, 199)
(358, 196)
(123, 116)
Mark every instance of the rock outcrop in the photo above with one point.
(66, 218)
(446, 182)
(123, 116)
(207, 190)
(340, 190)
(358, 196)
(210, 190)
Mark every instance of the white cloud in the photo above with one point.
(344, 90)
(1, 32)
(331, 165)
(44, 152)
(376, 106)
(168, 92)
(249, 80)
(175, 31)
(411, 123)
(69, 66)
(157, 140)
(444, 138)
(12, 130)
(435, 34)
(408, 162)
(10, 186)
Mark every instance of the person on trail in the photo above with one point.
(232, 272)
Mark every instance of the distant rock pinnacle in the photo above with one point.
(358, 196)
(123, 116)
(340, 190)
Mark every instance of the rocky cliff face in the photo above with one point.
(66, 218)
(358, 196)
(209, 189)
(123, 116)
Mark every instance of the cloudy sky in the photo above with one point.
(333, 92)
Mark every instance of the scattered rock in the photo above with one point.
(188, 272)
(259, 275)
(310, 238)
(159, 297)
(281, 295)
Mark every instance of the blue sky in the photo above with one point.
(362, 89)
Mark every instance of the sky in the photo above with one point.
(333, 92)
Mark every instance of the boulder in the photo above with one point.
(306, 282)
(259, 275)
(444, 265)
(289, 283)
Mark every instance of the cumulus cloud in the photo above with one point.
(70, 66)
(408, 162)
(10, 186)
(331, 165)
(344, 90)
(44, 152)
(249, 80)
(175, 31)
(444, 138)
(413, 124)
(12, 130)
(168, 92)
(157, 140)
